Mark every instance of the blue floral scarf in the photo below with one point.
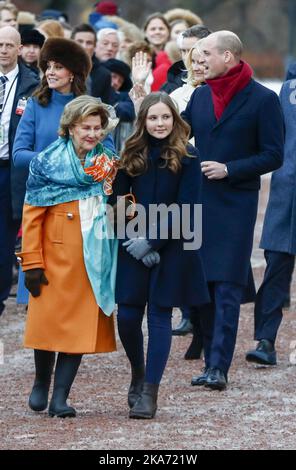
(57, 176)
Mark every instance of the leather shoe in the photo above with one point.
(264, 353)
(216, 379)
(201, 379)
(185, 326)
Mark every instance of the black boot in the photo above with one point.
(196, 345)
(136, 386)
(65, 373)
(184, 327)
(44, 363)
(146, 406)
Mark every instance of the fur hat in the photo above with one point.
(68, 53)
(183, 14)
(26, 18)
(32, 36)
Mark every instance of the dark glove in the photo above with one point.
(33, 280)
(151, 259)
(137, 247)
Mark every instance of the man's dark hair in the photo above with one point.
(197, 31)
(84, 28)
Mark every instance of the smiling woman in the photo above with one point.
(65, 65)
(157, 31)
(69, 270)
(85, 131)
(58, 77)
(159, 120)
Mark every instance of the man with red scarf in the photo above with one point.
(238, 128)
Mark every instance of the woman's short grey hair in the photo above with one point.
(79, 109)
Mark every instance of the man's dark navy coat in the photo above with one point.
(248, 138)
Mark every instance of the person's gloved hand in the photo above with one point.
(151, 259)
(137, 247)
(33, 280)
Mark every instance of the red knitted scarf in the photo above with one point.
(224, 88)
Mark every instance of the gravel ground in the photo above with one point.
(257, 411)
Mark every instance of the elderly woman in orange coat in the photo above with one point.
(68, 255)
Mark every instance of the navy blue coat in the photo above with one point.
(279, 229)
(249, 138)
(179, 278)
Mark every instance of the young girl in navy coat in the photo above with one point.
(157, 167)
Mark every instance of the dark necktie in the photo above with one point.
(3, 81)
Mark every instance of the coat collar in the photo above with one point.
(26, 80)
(237, 101)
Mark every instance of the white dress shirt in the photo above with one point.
(10, 89)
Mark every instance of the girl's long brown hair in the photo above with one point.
(134, 154)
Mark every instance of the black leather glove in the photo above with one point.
(33, 280)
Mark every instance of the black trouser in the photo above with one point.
(272, 294)
(8, 232)
(219, 321)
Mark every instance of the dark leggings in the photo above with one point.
(159, 320)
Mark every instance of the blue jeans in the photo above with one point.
(159, 320)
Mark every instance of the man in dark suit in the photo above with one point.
(17, 83)
(238, 127)
(99, 80)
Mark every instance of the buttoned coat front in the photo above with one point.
(248, 138)
(65, 317)
(179, 278)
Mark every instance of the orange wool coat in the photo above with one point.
(65, 317)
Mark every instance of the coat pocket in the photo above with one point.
(58, 228)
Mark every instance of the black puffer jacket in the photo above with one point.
(176, 74)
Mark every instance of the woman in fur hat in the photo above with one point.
(182, 14)
(65, 66)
